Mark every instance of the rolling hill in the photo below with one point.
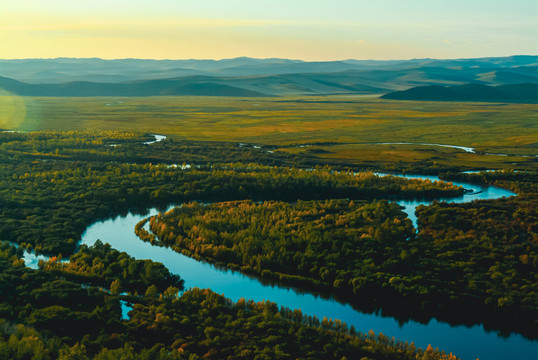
(517, 93)
(63, 70)
(167, 87)
(254, 77)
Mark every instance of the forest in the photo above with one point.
(60, 312)
(469, 262)
(319, 243)
(283, 218)
(47, 198)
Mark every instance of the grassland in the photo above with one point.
(343, 128)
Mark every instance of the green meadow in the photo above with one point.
(336, 128)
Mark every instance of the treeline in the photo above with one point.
(522, 182)
(129, 147)
(45, 316)
(487, 251)
(100, 265)
(250, 330)
(16, 146)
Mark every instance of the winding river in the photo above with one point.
(469, 343)
(464, 148)
(158, 138)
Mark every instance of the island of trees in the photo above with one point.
(469, 262)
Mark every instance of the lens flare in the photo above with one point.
(12, 111)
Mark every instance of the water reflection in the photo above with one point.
(468, 342)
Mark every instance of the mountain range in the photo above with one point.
(254, 77)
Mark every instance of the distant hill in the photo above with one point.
(277, 85)
(516, 93)
(63, 70)
(254, 77)
(168, 87)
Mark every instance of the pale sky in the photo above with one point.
(295, 29)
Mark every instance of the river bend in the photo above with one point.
(468, 343)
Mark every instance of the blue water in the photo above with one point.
(125, 308)
(475, 192)
(468, 343)
(157, 139)
(464, 148)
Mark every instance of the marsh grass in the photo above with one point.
(351, 122)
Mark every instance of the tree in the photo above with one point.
(151, 292)
(115, 287)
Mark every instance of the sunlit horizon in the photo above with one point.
(300, 29)
(260, 58)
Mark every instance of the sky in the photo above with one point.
(313, 30)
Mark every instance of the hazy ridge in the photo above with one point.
(516, 93)
(253, 77)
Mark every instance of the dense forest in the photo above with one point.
(312, 226)
(469, 262)
(318, 243)
(100, 265)
(46, 203)
(59, 313)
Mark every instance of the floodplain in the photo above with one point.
(346, 129)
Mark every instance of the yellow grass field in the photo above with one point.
(354, 123)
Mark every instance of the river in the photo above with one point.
(464, 148)
(468, 343)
